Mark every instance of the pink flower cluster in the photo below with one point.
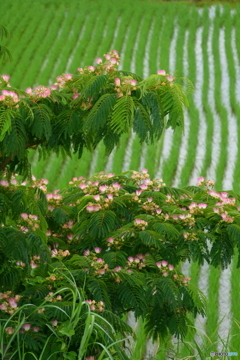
(54, 200)
(165, 76)
(38, 92)
(224, 214)
(190, 236)
(197, 208)
(5, 78)
(107, 65)
(9, 98)
(55, 253)
(223, 196)
(140, 224)
(95, 306)
(137, 262)
(61, 81)
(125, 85)
(51, 298)
(98, 264)
(32, 221)
(206, 183)
(165, 267)
(10, 302)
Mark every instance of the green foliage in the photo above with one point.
(121, 237)
(78, 111)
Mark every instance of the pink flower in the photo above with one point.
(164, 263)
(202, 206)
(12, 302)
(86, 252)
(117, 82)
(91, 68)
(161, 72)
(102, 188)
(4, 183)
(98, 61)
(54, 322)
(3, 306)
(116, 185)
(36, 329)
(170, 267)
(170, 78)
(33, 265)
(75, 96)
(5, 77)
(90, 208)
(26, 327)
(117, 268)
(107, 56)
(200, 179)
(165, 273)
(24, 216)
(82, 186)
(113, 61)
(110, 240)
(97, 250)
(9, 330)
(96, 197)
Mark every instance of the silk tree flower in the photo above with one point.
(4, 183)
(36, 329)
(91, 68)
(34, 265)
(161, 72)
(170, 78)
(3, 306)
(130, 259)
(54, 322)
(165, 274)
(5, 77)
(117, 268)
(103, 188)
(117, 82)
(97, 250)
(82, 186)
(9, 330)
(26, 327)
(93, 208)
(86, 252)
(202, 206)
(96, 197)
(12, 302)
(98, 60)
(113, 61)
(107, 56)
(42, 91)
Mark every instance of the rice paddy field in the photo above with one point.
(51, 37)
